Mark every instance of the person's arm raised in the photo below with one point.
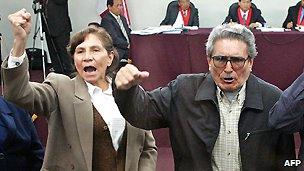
(21, 26)
(129, 76)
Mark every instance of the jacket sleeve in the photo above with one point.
(38, 98)
(229, 16)
(288, 18)
(260, 19)
(143, 109)
(285, 150)
(287, 113)
(167, 17)
(195, 18)
(24, 141)
(148, 157)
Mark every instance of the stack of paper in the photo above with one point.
(148, 31)
(191, 27)
(155, 30)
(271, 29)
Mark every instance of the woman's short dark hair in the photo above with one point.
(105, 39)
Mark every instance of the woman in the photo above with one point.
(86, 130)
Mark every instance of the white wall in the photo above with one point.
(143, 13)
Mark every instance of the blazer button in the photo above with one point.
(72, 167)
(69, 146)
(2, 156)
(105, 127)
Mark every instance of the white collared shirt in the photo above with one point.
(244, 13)
(105, 104)
(13, 61)
(179, 22)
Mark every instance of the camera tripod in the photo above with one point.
(40, 18)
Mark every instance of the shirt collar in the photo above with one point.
(240, 95)
(115, 16)
(246, 13)
(93, 89)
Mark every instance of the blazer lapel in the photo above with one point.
(84, 120)
(111, 17)
(132, 142)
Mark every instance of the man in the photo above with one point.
(295, 16)
(288, 113)
(183, 8)
(217, 120)
(245, 13)
(116, 25)
(58, 35)
(20, 147)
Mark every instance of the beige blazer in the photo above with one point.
(67, 106)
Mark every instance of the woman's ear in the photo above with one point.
(111, 57)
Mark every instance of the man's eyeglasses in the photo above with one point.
(236, 62)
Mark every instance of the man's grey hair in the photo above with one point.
(232, 31)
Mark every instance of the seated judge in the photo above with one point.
(246, 13)
(20, 147)
(295, 16)
(181, 10)
(116, 25)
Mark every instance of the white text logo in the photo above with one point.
(292, 163)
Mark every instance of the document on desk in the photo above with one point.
(271, 29)
(148, 31)
(191, 27)
(155, 30)
(300, 29)
(173, 31)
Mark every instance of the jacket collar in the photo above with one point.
(253, 98)
(207, 90)
(81, 89)
(115, 19)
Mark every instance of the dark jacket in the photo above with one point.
(172, 12)
(288, 113)
(57, 17)
(188, 107)
(20, 147)
(255, 17)
(111, 25)
(292, 15)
